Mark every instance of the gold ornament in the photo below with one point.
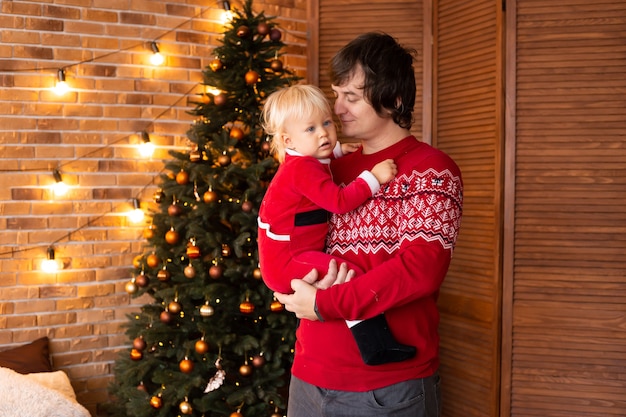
(252, 77)
(186, 366)
(216, 271)
(136, 355)
(152, 260)
(209, 197)
(182, 177)
(276, 306)
(246, 307)
(163, 275)
(149, 232)
(156, 402)
(185, 407)
(206, 310)
(236, 133)
(201, 347)
(256, 274)
(245, 370)
(216, 64)
(174, 307)
(131, 287)
(172, 236)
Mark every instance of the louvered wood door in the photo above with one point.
(340, 21)
(468, 126)
(568, 329)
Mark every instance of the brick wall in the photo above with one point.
(91, 135)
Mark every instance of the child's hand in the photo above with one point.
(349, 147)
(385, 171)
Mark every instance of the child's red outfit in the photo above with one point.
(293, 225)
(293, 217)
(402, 237)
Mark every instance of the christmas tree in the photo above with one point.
(213, 341)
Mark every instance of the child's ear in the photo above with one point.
(286, 140)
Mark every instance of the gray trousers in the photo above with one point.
(414, 398)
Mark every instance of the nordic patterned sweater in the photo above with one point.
(403, 238)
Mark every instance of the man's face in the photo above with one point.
(358, 118)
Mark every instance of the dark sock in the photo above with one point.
(376, 343)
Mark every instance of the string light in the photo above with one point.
(136, 214)
(156, 58)
(50, 264)
(59, 188)
(146, 148)
(61, 86)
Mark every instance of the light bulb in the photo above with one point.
(50, 264)
(156, 58)
(59, 188)
(136, 215)
(61, 86)
(146, 148)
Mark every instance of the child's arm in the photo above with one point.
(349, 147)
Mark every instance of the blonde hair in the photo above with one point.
(296, 101)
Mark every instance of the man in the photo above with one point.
(403, 238)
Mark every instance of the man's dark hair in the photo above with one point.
(389, 75)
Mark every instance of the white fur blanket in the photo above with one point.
(32, 395)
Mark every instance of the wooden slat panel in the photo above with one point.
(466, 126)
(569, 294)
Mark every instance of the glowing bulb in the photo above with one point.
(59, 188)
(156, 58)
(227, 17)
(61, 86)
(136, 215)
(213, 90)
(146, 148)
(50, 264)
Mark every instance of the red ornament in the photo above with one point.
(174, 210)
(165, 317)
(216, 271)
(142, 387)
(142, 280)
(275, 34)
(252, 77)
(263, 29)
(258, 361)
(276, 65)
(139, 343)
(220, 99)
(243, 31)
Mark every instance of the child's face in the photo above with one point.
(315, 135)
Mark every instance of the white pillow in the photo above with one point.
(57, 381)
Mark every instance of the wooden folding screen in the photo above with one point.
(467, 124)
(567, 321)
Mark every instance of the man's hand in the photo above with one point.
(302, 301)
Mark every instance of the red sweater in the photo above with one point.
(404, 238)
